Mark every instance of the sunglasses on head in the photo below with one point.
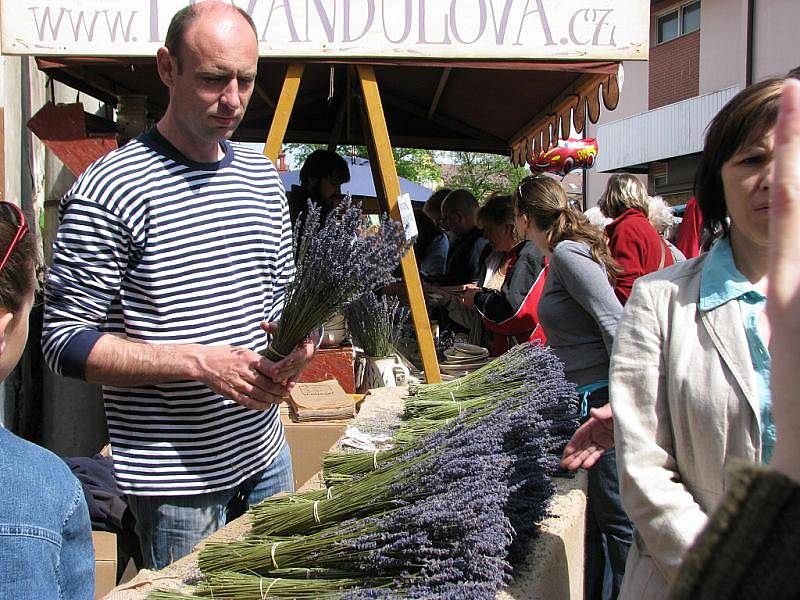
(12, 214)
(525, 180)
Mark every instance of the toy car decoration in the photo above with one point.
(569, 154)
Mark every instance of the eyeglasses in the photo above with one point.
(14, 215)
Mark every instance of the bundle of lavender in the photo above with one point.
(506, 373)
(468, 497)
(430, 406)
(375, 323)
(336, 262)
(456, 532)
(478, 496)
(390, 478)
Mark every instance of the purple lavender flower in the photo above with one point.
(375, 322)
(335, 263)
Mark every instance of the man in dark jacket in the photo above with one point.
(460, 217)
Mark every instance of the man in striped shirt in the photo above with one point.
(172, 255)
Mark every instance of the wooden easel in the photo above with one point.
(386, 185)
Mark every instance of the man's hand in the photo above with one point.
(286, 371)
(241, 375)
(590, 440)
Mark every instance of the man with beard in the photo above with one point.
(321, 179)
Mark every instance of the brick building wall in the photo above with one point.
(674, 70)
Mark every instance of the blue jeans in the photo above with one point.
(609, 533)
(169, 527)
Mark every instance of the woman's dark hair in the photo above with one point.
(17, 278)
(497, 210)
(748, 117)
(545, 202)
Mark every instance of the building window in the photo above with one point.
(676, 23)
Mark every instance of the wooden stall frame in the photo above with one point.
(386, 183)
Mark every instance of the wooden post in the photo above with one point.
(280, 122)
(387, 180)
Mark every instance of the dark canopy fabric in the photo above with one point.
(447, 105)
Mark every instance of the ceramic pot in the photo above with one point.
(382, 372)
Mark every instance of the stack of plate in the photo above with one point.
(462, 359)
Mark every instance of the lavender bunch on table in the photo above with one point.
(375, 323)
(525, 373)
(452, 508)
(336, 262)
(455, 535)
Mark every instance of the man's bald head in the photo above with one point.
(183, 19)
(460, 212)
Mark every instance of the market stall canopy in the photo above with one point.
(361, 183)
(502, 76)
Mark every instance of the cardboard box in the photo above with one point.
(105, 562)
(309, 442)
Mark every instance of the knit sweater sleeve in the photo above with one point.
(285, 267)
(747, 548)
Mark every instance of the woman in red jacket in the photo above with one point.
(634, 242)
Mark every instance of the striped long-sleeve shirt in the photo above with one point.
(164, 250)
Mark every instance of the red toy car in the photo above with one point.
(567, 155)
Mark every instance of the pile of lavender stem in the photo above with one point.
(445, 518)
(335, 262)
(375, 323)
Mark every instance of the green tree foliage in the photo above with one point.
(416, 165)
(483, 174)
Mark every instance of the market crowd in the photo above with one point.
(172, 260)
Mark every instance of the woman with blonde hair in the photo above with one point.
(579, 313)
(634, 243)
(691, 367)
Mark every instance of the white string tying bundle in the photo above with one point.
(316, 512)
(459, 407)
(375, 460)
(452, 397)
(272, 555)
(330, 494)
(264, 594)
(458, 384)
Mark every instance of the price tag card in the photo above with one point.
(407, 215)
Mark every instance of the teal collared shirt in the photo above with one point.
(722, 282)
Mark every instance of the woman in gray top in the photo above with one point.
(579, 313)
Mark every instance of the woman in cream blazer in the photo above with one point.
(685, 405)
(689, 369)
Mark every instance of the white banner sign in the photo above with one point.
(395, 29)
